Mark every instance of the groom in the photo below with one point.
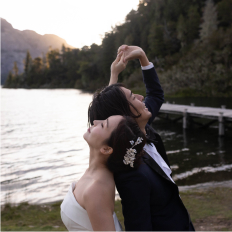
(149, 196)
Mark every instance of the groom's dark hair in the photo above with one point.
(108, 101)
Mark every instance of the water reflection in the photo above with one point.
(200, 155)
(42, 148)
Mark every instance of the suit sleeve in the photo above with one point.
(154, 92)
(134, 190)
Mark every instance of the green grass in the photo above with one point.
(25, 217)
(207, 208)
(118, 211)
(211, 203)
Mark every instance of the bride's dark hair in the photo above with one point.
(126, 131)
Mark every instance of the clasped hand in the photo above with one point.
(125, 53)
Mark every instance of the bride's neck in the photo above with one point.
(96, 161)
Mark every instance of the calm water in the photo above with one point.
(43, 151)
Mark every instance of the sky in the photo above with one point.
(79, 22)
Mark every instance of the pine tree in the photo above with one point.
(38, 64)
(9, 80)
(15, 69)
(224, 9)
(63, 49)
(181, 30)
(156, 40)
(193, 24)
(44, 62)
(27, 63)
(209, 24)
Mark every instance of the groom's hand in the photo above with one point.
(131, 52)
(134, 52)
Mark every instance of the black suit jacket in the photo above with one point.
(150, 200)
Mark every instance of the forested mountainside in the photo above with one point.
(15, 43)
(189, 42)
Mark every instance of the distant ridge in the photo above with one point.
(15, 43)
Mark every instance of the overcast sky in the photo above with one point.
(79, 22)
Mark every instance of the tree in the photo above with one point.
(63, 49)
(156, 40)
(193, 24)
(38, 64)
(15, 69)
(224, 9)
(9, 80)
(182, 30)
(53, 58)
(44, 62)
(107, 54)
(27, 63)
(209, 24)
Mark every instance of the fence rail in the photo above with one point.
(188, 113)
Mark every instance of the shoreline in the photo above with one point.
(135, 90)
(206, 186)
(195, 188)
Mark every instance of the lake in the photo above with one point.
(43, 150)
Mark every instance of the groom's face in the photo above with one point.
(137, 101)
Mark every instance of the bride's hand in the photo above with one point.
(134, 52)
(131, 52)
(117, 67)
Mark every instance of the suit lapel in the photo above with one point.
(151, 162)
(156, 139)
(160, 148)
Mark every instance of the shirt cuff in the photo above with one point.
(151, 65)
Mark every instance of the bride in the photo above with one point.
(116, 144)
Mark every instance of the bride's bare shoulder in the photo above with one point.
(101, 189)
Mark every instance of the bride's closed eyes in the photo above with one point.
(101, 130)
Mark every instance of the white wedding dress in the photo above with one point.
(74, 217)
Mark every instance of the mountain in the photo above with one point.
(15, 43)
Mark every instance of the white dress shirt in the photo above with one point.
(151, 65)
(152, 151)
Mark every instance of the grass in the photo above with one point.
(209, 210)
(214, 202)
(26, 217)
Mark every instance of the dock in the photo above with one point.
(188, 113)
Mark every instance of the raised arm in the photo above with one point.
(154, 93)
(117, 67)
(134, 190)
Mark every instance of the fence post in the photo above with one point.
(221, 125)
(185, 119)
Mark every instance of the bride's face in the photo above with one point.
(101, 130)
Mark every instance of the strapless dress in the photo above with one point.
(75, 217)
